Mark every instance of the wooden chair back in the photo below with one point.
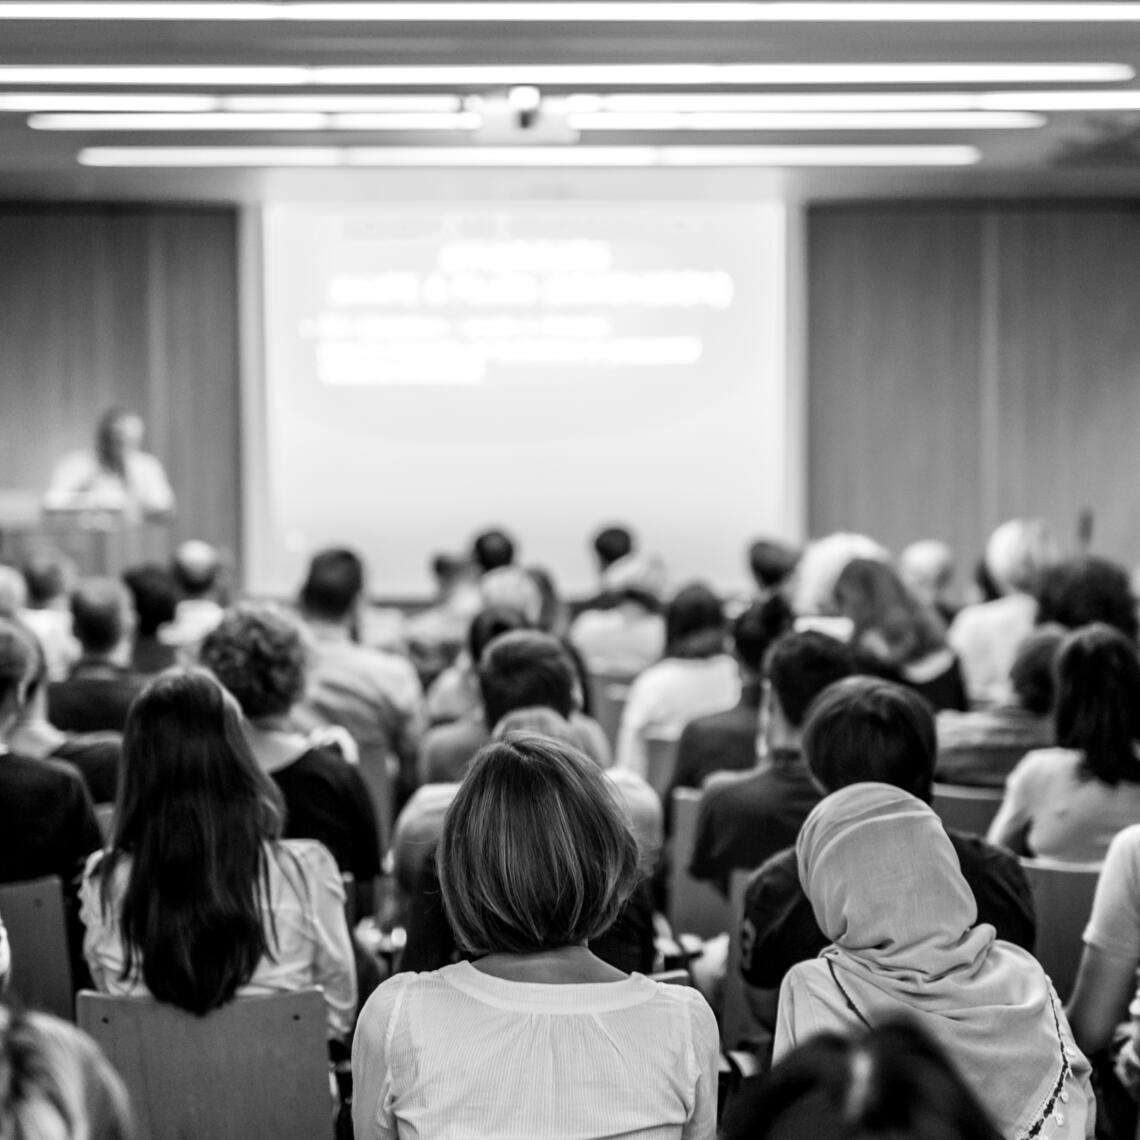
(694, 907)
(662, 757)
(608, 693)
(255, 1067)
(966, 809)
(1063, 898)
(35, 916)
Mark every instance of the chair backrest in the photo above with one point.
(105, 817)
(966, 809)
(608, 693)
(35, 916)
(661, 753)
(1063, 898)
(694, 907)
(256, 1067)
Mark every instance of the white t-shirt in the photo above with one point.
(459, 1055)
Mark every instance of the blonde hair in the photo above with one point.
(536, 852)
(55, 1084)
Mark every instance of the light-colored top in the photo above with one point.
(668, 695)
(81, 482)
(1050, 811)
(459, 1055)
(621, 641)
(5, 957)
(886, 887)
(1114, 925)
(194, 620)
(53, 631)
(312, 946)
(986, 638)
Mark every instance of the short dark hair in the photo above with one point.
(258, 655)
(97, 613)
(46, 575)
(492, 549)
(756, 629)
(695, 625)
(1080, 591)
(536, 853)
(488, 624)
(801, 665)
(612, 543)
(154, 594)
(1033, 672)
(892, 1083)
(1097, 709)
(865, 729)
(771, 562)
(525, 669)
(334, 583)
(17, 657)
(196, 568)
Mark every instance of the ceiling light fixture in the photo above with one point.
(260, 121)
(805, 121)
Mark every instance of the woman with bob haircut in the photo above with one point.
(1068, 802)
(536, 1036)
(196, 899)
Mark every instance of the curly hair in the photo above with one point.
(258, 654)
(1087, 589)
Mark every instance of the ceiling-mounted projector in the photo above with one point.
(521, 116)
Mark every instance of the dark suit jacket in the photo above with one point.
(94, 698)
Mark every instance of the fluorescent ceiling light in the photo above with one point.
(616, 75)
(806, 121)
(1061, 100)
(85, 101)
(702, 12)
(340, 103)
(643, 156)
(268, 121)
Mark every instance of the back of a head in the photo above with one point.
(612, 543)
(49, 576)
(492, 549)
(258, 654)
(196, 568)
(511, 587)
(55, 1083)
(18, 662)
(1080, 591)
(1097, 706)
(757, 629)
(525, 669)
(927, 568)
(695, 624)
(771, 563)
(101, 613)
(536, 854)
(893, 1083)
(820, 565)
(1033, 673)
(155, 596)
(873, 596)
(867, 730)
(13, 591)
(489, 623)
(1018, 551)
(193, 815)
(801, 665)
(334, 585)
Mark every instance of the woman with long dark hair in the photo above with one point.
(197, 899)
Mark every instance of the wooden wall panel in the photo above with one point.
(127, 305)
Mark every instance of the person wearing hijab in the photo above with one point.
(886, 888)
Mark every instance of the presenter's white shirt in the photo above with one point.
(81, 482)
(459, 1055)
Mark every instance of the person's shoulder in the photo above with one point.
(976, 852)
(46, 773)
(313, 858)
(1047, 764)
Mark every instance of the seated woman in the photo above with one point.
(897, 635)
(197, 899)
(885, 886)
(1068, 802)
(537, 1036)
(257, 653)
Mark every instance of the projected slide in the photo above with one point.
(432, 370)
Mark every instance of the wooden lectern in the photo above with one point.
(105, 541)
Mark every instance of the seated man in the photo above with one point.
(868, 729)
(197, 574)
(50, 578)
(156, 603)
(611, 544)
(745, 817)
(99, 689)
(982, 747)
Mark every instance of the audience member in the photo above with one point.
(819, 567)
(927, 570)
(890, 1082)
(258, 655)
(986, 636)
(897, 635)
(772, 565)
(865, 729)
(610, 545)
(99, 689)
(695, 676)
(627, 634)
(197, 574)
(13, 593)
(5, 956)
(536, 860)
(492, 549)
(197, 898)
(373, 694)
(884, 882)
(552, 614)
(50, 579)
(55, 1084)
(1069, 801)
(155, 598)
(982, 747)
(435, 635)
(1080, 591)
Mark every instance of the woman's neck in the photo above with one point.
(275, 742)
(560, 965)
